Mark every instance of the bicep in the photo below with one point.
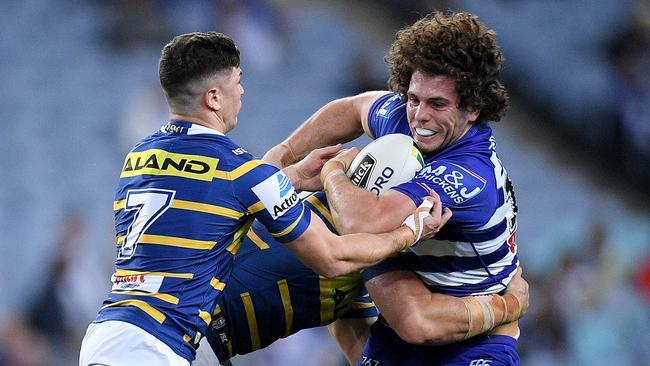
(404, 285)
(315, 245)
(362, 104)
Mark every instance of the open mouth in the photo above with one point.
(424, 132)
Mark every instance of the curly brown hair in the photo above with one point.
(456, 45)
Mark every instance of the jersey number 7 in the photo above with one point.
(149, 204)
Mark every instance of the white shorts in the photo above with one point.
(205, 355)
(115, 343)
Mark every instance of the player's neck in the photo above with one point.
(205, 122)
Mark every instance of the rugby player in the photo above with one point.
(445, 88)
(188, 194)
(271, 295)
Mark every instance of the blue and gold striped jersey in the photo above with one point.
(187, 195)
(271, 294)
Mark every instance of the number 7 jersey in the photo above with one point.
(186, 197)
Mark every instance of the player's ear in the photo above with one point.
(212, 98)
(472, 114)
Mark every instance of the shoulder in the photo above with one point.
(387, 115)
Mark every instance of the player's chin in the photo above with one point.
(427, 145)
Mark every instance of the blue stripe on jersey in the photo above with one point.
(428, 263)
(495, 279)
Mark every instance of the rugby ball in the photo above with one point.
(386, 162)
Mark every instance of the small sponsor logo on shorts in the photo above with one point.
(479, 362)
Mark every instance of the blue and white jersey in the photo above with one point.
(187, 195)
(475, 253)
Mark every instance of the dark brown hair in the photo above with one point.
(456, 45)
(191, 57)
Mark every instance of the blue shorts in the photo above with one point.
(385, 348)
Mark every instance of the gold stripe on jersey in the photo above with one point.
(320, 207)
(161, 162)
(362, 305)
(256, 207)
(207, 318)
(252, 320)
(257, 240)
(207, 208)
(290, 227)
(150, 310)
(176, 242)
(326, 301)
(164, 297)
(239, 171)
(118, 205)
(126, 272)
(336, 295)
(239, 236)
(200, 207)
(218, 285)
(288, 308)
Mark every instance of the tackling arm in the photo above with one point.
(339, 121)
(425, 318)
(346, 200)
(332, 255)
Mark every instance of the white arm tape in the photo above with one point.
(415, 221)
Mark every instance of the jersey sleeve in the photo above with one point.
(272, 199)
(459, 189)
(361, 307)
(391, 264)
(388, 115)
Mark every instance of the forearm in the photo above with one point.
(346, 200)
(457, 319)
(353, 252)
(421, 317)
(336, 122)
(351, 335)
(293, 173)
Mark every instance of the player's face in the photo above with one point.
(232, 91)
(432, 110)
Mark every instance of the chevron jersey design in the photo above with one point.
(187, 195)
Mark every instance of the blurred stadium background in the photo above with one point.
(79, 87)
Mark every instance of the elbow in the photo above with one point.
(416, 331)
(412, 334)
(331, 268)
(347, 227)
(331, 272)
(352, 225)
